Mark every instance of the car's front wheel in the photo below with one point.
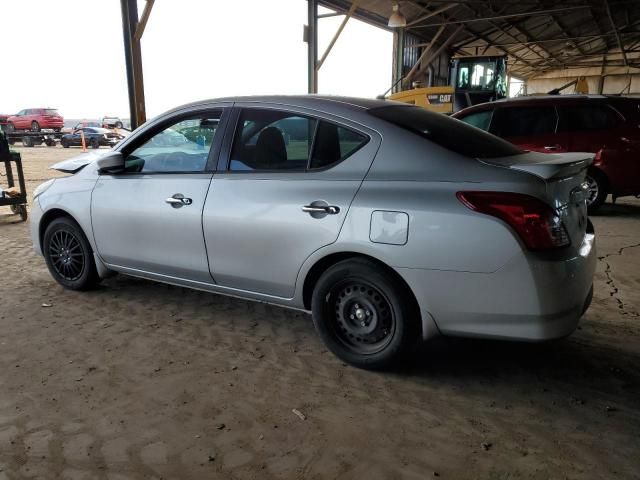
(68, 255)
(364, 317)
(95, 143)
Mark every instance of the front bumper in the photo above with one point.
(35, 215)
(530, 298)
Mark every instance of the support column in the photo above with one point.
(312, 46)
(133, 62)
(398, 58)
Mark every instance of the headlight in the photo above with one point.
(43, 187)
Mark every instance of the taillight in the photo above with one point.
(533, 220)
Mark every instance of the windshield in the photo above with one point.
(447, 132)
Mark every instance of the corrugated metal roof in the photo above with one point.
(538, 35)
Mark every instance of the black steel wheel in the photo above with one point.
(35, 126)
(68, 255)
(597, 190)
(364, 320)
(363, 315)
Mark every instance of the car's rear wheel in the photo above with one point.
(68, 255)
(11, 127)
(35, 126)
(364, 317)
(64, 143)
(118, 125)
(597, 190)
(95, 143)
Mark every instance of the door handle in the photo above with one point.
(552, 148)
(178, 200)
(330, 209)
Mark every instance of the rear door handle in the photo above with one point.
(330, 209)
(178, 200)
(552, 148)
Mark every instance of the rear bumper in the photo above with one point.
(530, 298)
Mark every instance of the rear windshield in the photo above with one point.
(51, 111)
(447, 132)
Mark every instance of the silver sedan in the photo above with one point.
(389, 223)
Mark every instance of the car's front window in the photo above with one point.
(181, 147)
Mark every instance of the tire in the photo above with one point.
(64, 143)
(11, 127)
(363, 315)
(598, 190)
(35, 126)
(27, 142)
(118, 125)
(69, 256)
(95, 143)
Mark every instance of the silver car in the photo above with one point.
(389, 223)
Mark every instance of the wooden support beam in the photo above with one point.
(409, 77)
(333, 41)
(615, 30)
(143, 20)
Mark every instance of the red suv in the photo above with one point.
(606, 126)
(35, 119)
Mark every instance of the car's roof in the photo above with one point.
(541, 99)
(552, 97)
(353, 103)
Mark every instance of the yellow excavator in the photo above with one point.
(472, 80)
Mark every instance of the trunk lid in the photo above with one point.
(564, 175)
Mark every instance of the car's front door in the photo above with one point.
(283, 194)
(76, 137)
(20, 121)
(149, 218)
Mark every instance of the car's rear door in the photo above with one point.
(149, 218)
(285, 183)
(531, 127)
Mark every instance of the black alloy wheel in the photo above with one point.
(65, 254)
(68, 255)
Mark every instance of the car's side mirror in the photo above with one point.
(112, 162)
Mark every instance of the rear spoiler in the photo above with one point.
(546, 165)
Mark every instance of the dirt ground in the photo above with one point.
(143, 380)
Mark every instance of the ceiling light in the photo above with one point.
(396, 19)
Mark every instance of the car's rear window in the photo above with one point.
(51, 111)
(447, 132)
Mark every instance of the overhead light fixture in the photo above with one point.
(397, 20)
